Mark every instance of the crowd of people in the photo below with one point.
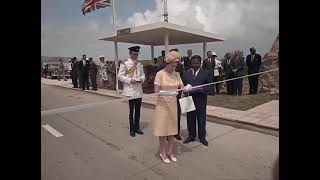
(85, 72)
(232, 65)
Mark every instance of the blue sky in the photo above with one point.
(65, 31)
(62, 12)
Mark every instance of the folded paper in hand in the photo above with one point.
(186, 104)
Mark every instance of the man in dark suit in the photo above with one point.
(93, 74)
(238, 70)
(196, 77)
(209, 64)
(253, 62)
(187, 60)
(74, 72)
(160, 60)
(78, 73)
(228, 71)
(83, 67)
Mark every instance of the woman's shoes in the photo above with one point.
(172, 157)
(164, 160)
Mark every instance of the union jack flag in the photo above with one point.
(91, 5)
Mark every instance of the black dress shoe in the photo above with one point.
(132, 134)
(204, 141)
(178, 137)
(139, 131)
(189, 139)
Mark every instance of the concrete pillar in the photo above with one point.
(116, 62)
(204, 50)
(152, 52)
(166, 42)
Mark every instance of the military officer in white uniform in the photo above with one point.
(132, 75)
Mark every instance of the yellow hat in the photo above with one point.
(172, 57)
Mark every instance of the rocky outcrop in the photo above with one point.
(269, 82)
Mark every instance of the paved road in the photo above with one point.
(95, 144)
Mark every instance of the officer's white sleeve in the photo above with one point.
(121, 75)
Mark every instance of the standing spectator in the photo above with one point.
(196, 77)
(103, 71)
(253, 62)
(155, 61)
(238, 70)
(74, 72)
(41, 69)
(216, 73)
(120, 83)
(78, 73)
(228, 71)
(80, 63)
(187, 60)
(83, 67)
(160, 60)
(209, 65)
(93, 74)
(61, 70)
(45, 70)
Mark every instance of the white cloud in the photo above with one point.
(249, 21)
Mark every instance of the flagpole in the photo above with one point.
(113, 16)
(165, 11)
(115, 42)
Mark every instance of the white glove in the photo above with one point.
(187, 88)
(167, 93)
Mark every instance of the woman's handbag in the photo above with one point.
(187, 104)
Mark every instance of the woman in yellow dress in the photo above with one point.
(165, 122)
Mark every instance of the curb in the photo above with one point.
(244, 125)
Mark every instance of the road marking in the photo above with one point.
(52, 130)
